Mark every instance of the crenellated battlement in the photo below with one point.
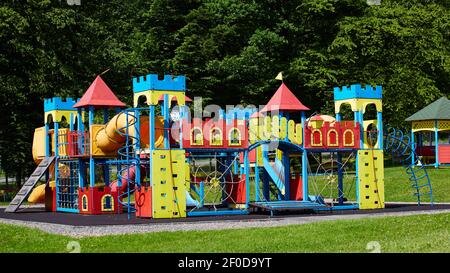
(151, 82)
(355, 91)
(58, 103)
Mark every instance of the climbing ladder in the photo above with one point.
(29, 185)
(400, 146)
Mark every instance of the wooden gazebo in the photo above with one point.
(430, 131)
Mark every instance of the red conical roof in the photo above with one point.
(284, 100)
(99, 94)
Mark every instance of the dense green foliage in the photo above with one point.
(394, 234)
(230, 51)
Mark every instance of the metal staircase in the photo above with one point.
(400, 146)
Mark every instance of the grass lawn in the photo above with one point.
(397, 185)
(429, 233)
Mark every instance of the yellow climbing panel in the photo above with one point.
(371, 179)
(169, 188)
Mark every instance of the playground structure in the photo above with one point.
(157, 160)
(430, 133)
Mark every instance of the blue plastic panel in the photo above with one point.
(151, 82)
(355, 91)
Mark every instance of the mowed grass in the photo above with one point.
(398, 187)
(420, 233)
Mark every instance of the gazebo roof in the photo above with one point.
(100, 95)
(284, 100)
(438, 110)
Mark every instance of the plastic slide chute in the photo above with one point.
(112, 136)
(127, 175)
(38, 193)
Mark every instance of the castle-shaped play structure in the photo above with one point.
(158, 160)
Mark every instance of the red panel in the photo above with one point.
(444, 153)
(220, 125)
(333, 134)
(236, 191)
(296, 188)
(78, 143)
(251, 156)
(143, 202)
(50, 199)
(95, 195)
(426, 151)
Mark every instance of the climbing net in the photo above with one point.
(215, 179)
(324, 178)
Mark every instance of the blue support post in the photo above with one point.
(91, 159)
(56, 129)
(361, 130)
(380, 129)
(105, 115)
(266, 189)
(436, 143)
(47, 149)
(287, 176)
(304, 161)
(413, 146)
(152, 140)
(247, 179)
(80, 129)
(137, 147)
(257, 198)
(166, 115)
(340, 179)
(71, 122)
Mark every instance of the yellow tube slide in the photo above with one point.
(111, 137)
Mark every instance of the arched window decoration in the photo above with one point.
(216, 137)
(107, 203)
(316, 138)
(349, 138)
(84, 203)
(332, 138)
(196, 136)
(235, 137)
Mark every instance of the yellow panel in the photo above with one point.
(95, 150)
(152, 96)
(423, 125)
(279, 154)
(187, 176)
(358, 104)
(276, 127)
(63, 141)
(57, 115)
(168, 182)
(267, 127)
(298, 134)
(253, 130)
(371, 179)
(283, 129)
(259, 156)
(444, 125)
(291, 131)
(366, 124)
(39, 144)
